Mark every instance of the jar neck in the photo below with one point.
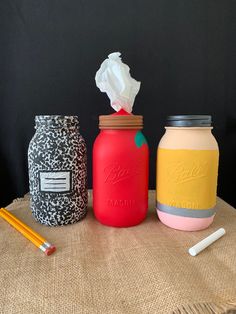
(114, 131)
(179, 129)
(55, 129)
(54, 122)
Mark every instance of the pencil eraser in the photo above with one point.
(50, 250)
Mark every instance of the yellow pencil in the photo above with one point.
(37, 235)
(29, 233)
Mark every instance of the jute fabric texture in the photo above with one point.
(99, 269)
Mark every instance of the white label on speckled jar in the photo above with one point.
(55, 181)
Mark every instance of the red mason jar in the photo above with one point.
(120, 170)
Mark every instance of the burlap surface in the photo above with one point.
(98, 269)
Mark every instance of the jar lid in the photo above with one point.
(121, 120)
(56, 121)
(189, 121)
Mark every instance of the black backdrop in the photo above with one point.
(182, 51)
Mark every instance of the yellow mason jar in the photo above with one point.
(187, 168)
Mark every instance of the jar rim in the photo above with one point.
(189, 128)
(56, 121)
(121, 122)
(189, 121)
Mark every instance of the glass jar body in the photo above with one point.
(57, 162)
(187, 168)
(120, 177)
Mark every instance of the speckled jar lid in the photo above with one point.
(56, 121)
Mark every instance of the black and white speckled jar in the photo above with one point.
(57, 171)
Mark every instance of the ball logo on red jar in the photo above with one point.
(115, 173)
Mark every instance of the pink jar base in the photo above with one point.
(184, 223)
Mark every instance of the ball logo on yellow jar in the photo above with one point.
(181, 172)
(187, 178)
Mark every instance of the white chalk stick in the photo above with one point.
(200, 246)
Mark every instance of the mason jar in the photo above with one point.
(120, 170)
(57, 164)
(187, 168)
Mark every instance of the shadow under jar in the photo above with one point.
(57, 164)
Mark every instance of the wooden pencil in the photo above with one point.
(27, 232)
(37, 235)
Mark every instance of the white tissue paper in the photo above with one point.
(114, 78)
